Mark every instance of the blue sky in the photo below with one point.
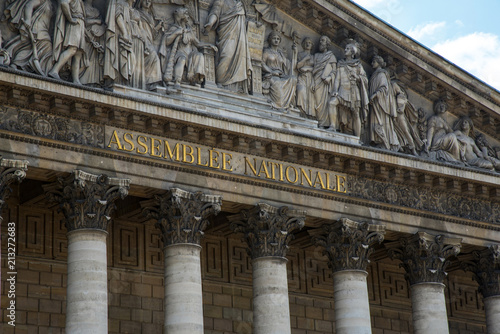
(465, 32)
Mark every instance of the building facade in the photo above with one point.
(237, 167)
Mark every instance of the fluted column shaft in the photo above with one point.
(268, 231)
(87, 201)
(182, 217)
(348, 246)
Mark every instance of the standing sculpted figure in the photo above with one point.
(31, 49)
(69, 38)
(383, 111)
(442, 142)
(94, 49)
(325, 68)
(471, 154)
(119, 58)
(147, 32)
(276, 73)
(183, 59)
(350, 90)
(233, 58)
(305, 65)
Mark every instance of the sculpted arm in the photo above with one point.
(67, 11)
(329, 72)
(120, 22)
(430, 133)
(28, 10)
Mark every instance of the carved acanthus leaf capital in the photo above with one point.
(347, 243)
(267, 229)
(485, 265)
(87, 200)
(424, 256)
(182, 216)
(10, 171)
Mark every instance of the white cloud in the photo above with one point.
(427, 29)
(477, 53)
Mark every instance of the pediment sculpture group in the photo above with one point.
(130, 46)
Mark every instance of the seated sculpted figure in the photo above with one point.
(184, 59)
(277, 80)
(489, 153)
(350, 90)
(442, 143)
(471, 154)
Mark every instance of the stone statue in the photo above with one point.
(94, 48)
(69, 38)
(442, 143)
(324, 71)
(183, 58)
(407, 122)
(148, 29)
(31, 49)
(383, 109)
(305, 65)
(471, 154)
(278, 81)
(233, 58)
(119, 58)
(350, 90)
(489, 153)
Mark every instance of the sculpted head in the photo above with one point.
(352, 49)
(307, 43)
(465, 125)
(180, 14)
(378, 60)
(440, 107)
(324, 43)
(274, 38)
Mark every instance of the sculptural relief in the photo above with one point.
(31, 49)
(179, 49)
(119, 59)
(489, 153)
(233, 58)
(148, 29)
(442, 143)
(278, 81)
(305, 65)
(350, 90)
(381, 129)
(69, 40)
(324, 71)
(470, 153)
(407, 122)
(95, 29)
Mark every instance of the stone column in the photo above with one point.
(87, 201)
(424, 258)
(485, 265)
(267, 231)
(182, 217)
(10, 171)
(348, 246)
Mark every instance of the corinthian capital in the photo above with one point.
(347, 243)
(10, 171)
(181, 215)
(267, 229)
(87, 200)
(485, 265)
(424, 256)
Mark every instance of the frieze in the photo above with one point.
(424, 198)
(51, 127)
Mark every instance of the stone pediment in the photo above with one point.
(291, 81)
